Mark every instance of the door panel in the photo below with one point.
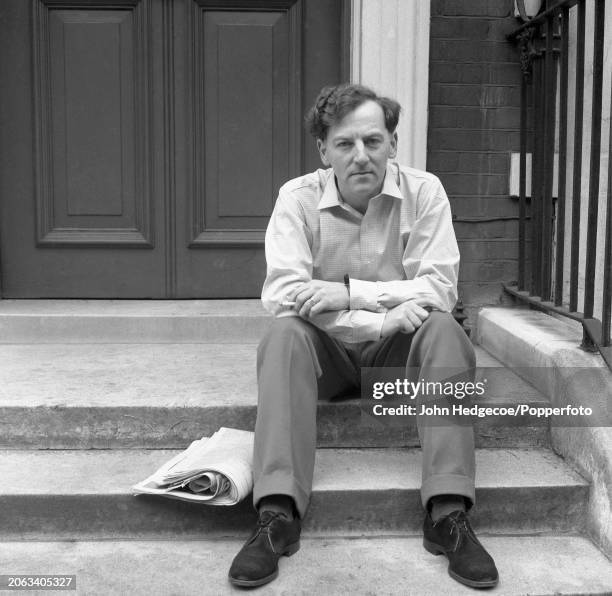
(93, 185)
(244, 135)
(250, 84)
(143, 141)
(78, 194)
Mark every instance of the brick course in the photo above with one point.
(477, 118)
(468, 50)
(483, 250)
(472, 8)
(502, 73)
(478, 206)
(457, 184)
(487, 229)
(468, 162)
(489, 29)
(485, 96)
(474, 140)
(474, 119)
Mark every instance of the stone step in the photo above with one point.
(78, 396)
(543, 565)
(87, 495)
(130, 321)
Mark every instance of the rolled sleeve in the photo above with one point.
(363, 295)
(350, 326)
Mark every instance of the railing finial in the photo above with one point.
(528, 51)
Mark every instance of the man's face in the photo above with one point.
(357, 148)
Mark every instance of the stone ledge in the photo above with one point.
(57, 494)
(548, 350)
(127, 321)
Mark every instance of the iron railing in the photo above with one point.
(561, 260)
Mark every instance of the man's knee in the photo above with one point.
(443, 325)
(441, 329)
(285, 331)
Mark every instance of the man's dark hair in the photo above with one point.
(334, 103)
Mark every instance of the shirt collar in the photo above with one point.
(331, 198)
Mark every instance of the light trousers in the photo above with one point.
(297, 364)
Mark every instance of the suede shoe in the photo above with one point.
(469, 562)
(257, 562)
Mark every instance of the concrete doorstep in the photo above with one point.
(92, 395)
(131, 321)
(542, 565)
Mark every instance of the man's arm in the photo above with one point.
(289, 268)
(430, 261)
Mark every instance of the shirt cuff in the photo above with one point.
(367, 326)
(363, 295)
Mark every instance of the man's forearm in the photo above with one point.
(380, 296)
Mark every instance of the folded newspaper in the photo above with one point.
(215, 470)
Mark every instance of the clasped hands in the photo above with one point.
(317, 296)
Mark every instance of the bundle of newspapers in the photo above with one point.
(215, 470)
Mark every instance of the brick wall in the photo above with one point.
(474, 119)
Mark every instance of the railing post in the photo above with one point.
(527, 53)
(537, 173)
(577, 170)
(591, 238)
(591, 254)
(606, 314)
(563, 88)
(548, 145)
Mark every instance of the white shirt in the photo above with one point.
(402, 248)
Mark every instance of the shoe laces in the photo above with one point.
(459, 524)
(264, 524)
(266, 519)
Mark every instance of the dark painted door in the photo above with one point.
(142, 142)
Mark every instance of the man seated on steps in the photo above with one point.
(367, 252)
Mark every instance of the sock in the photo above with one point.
(442, 505)
(278, 503)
